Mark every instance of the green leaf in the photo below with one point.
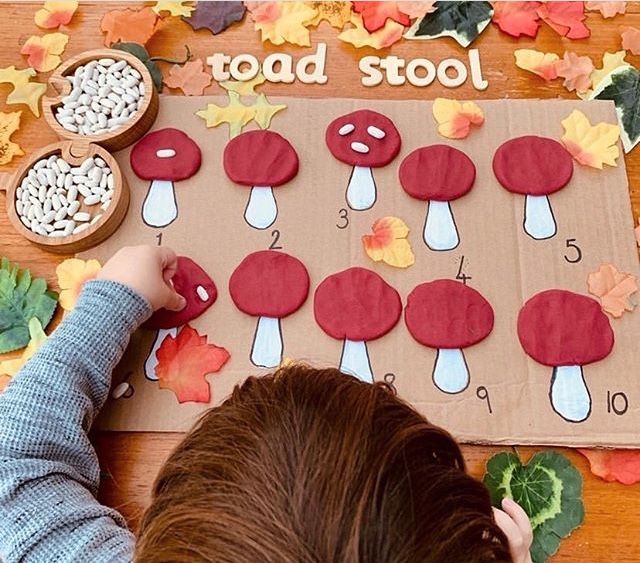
(623, 87)
(548, 488)
(22, 299)
(463, 21)
(141, 53)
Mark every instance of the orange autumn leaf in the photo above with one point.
(565, 18)
(44, 52)
(184, 362)
(613, 289)
(608, 9)
(542, 64)
(389, 243)
(358, 36)
(129, 26)
(54, 14)
(72, 274)
(375, 14)
(517, 18)
(455, 118)
(622, 466)
(631, 40)
(190, 78)
(576, 71)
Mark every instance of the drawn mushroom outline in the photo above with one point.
(535, 167)
(262, 160)
(565, 331)
(200, 292)
(449, 316)
(164, 156)
(365, 139)
(356, 306)
(270, 285)
(438, 174)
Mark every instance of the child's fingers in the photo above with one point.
(173, 300)
(509, 527)
(519, 516)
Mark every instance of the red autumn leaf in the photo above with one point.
(183, 363)
(517, 18)
(615, 465)
(376, 14)
(566, 18)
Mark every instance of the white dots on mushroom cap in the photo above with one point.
(376, 132)
(202, 293)
(165, 153)
(359, 147)
(346, 129)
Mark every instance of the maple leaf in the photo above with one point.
(129, 26)
(375, 14)
(358, 36)
(44, 52)
(54, 14)
(517, 18)
(565, 18)
(244, 88)
(9, 124)
(24, 91)
(608, 9)
(613, 289)
(37, 338)
(622, 466)
(542, 64)
(184, 362)
(389, 243)
(590, 145)
(72, 274)
(235, 114)
(174, 7)
(264, 111)
(576, 71)
(216, 16)
(418, 8)
(455, 118)
(190, 78)
(282, 22)
(337, 14)
(631, 40)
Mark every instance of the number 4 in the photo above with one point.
(461, 275)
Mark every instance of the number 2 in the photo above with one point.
(275, 234)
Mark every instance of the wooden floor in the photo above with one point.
(130, 460)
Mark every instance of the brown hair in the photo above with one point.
(309, 465)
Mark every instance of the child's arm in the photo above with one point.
(49, 471)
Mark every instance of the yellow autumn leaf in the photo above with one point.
(72, 275)
(235, 114)
(24, 92)
(282, 22)
(174, 7)
(358, 36)
(389, 243)
(244, 88)
(455, 119)
(337, 14)
(54, 14)
(264, 111)
(9, 124)
(38, 338)
(542, 64)
(590, 145)
(44, 52)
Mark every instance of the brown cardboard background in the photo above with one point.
(506, 265)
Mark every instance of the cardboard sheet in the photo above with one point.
(507, 266)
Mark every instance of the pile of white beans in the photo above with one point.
(105, 94)
(56, 199)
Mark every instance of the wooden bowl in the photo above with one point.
(74, 152)
(122, 137)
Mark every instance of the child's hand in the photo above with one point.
(148, 271)
(514, 522)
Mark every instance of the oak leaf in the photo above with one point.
(613, 289)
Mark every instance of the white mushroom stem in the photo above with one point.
(361, 191)
(355, 360)
(160, 208)
(539, 222)
(151, 362)
(450, 372)
(570, 397)
(266, 351)
(440, 231)
(262, 209)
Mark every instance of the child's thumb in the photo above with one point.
(174, 301)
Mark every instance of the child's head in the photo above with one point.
(309, 465)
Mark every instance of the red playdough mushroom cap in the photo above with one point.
(166, 154)
(363, 138)
(195, 285)
(356, 304)
(437, 172)
(260, 158)
(532, 165)
(448, 314)
(561, 328)
(269, 284)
